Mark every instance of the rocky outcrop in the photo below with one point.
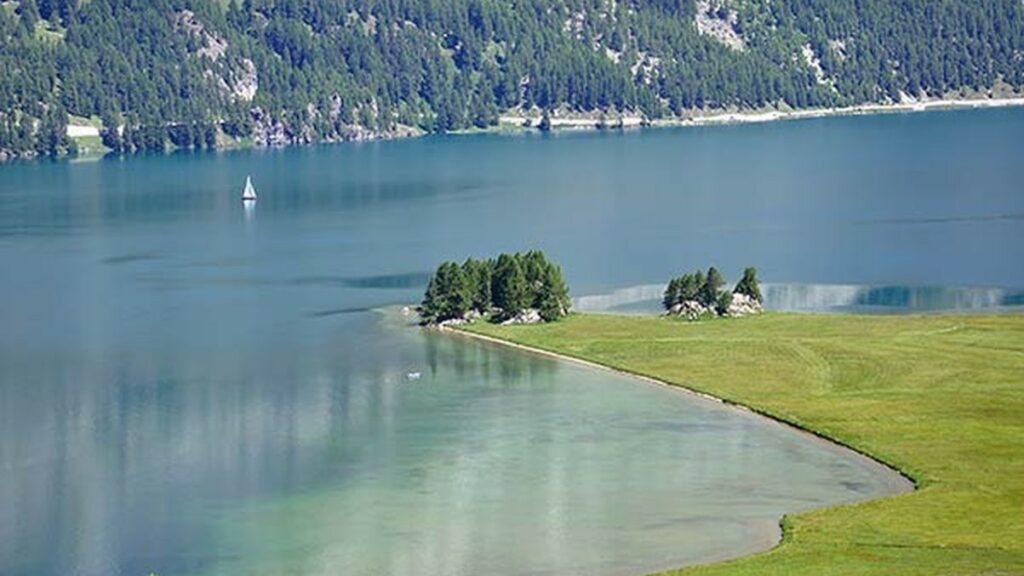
(452, 322)
(528, 316)
(717, 20)
(467, 318)
(270, 130)
(210, 44)
(739, 305)
(691, 310)
(8, 155)
(234, 77)
(743, 305)
(242, 82)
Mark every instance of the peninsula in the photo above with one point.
(938, 397)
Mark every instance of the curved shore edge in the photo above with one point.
(908, 484)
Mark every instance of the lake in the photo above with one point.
(189, 387)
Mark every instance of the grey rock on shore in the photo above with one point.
(528, 316)
(739, 305)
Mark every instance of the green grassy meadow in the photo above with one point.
(939, 397)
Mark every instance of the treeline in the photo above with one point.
(151, 137)
(181, 72)
(513, 287)
(698, 292)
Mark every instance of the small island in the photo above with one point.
(520, 288)
(698, 295)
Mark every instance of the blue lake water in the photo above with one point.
(187, 387)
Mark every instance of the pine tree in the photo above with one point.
(696, 281)
(713, 282)
(453, 290)
(447, 296)
(430, 307)
(534, 266)
(689, 285)
(511, 293)
(554, 301)
(749, 285)
(722, 302)
(671, 295)
(478, 277)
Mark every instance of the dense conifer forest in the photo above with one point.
(198, 73)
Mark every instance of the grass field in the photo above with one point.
(89, 146)
(939, 397)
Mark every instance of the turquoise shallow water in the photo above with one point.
(190, 388)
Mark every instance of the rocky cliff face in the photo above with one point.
(235, 77)
(316, 126)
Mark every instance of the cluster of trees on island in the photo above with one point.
(511, 287)
(697, 293)
(181, 72)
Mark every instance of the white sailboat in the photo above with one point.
(249, 193)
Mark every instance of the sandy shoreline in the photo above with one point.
(751, 117)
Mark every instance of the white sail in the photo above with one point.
(249, 193)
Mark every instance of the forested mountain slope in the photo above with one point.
(192, 72)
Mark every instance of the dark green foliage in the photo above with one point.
(696, 283)
(693, 287)
(684, 288)
(511, 292)
(722, 301)
(749, 285)
(707, 291)
(508, 286)
(713, 282)
(429, 309)
(478, 275)
(534, 266)
(448, 296)
(689, 285)
(671, 297)
(327, 69)
(553, 302)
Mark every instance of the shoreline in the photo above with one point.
(909, 481)
(901, 482)
(513, 123)
(517, 124)
(858, 110)
(879, 383)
